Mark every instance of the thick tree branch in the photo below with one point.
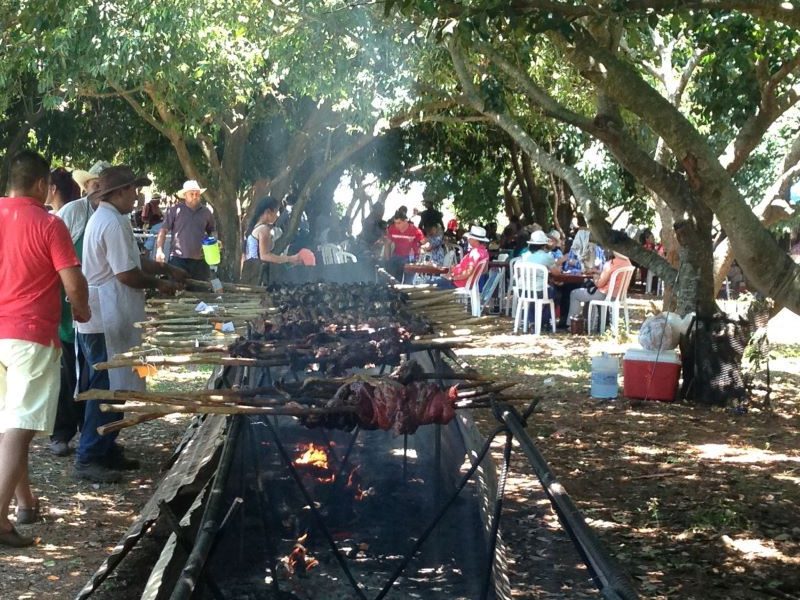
(314, 181)
(784, 12)
(654, 175)
(770, 108)
(595, 216)
(770, 268)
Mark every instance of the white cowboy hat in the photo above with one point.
(190, 186)
(82, 177)
(555, 234)
(477, 233)
(538, 238)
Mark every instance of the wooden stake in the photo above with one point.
(126, 422)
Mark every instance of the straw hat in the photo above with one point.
(189, 186)
(477, 233)
(82, 177)
(538, 238)
(115, 178)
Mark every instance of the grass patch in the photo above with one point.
(785, 351)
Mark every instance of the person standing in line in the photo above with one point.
(36, 258)
(69, 415)
(190, 222)
(117, 276)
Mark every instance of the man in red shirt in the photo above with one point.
(36, 258)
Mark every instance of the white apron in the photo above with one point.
(121, 307)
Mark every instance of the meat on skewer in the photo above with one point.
(389, 405)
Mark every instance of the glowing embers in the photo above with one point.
(299, 561)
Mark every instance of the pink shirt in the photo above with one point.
(476, 255)
(34, 247)
(608, 270)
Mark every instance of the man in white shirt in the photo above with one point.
(117, 277)
(76, 214)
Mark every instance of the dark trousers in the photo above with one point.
(69, 414)
(562, 300)
(197, 268)
(442, 283)
(94, 447)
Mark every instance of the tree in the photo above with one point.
(207, 75)
(585, 67)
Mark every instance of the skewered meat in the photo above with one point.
(334, 352)
(317, 307)
(388, 405)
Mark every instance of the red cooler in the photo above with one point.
(651, 375)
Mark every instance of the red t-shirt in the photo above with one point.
(476, 254)
(405, 242)
(34, 247)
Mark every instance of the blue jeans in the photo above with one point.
(442, 283)
(93, 447)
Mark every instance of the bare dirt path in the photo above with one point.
(695, 503)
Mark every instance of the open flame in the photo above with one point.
(316, 457)
(313, 455)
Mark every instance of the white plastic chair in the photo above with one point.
(526, 277)
(471, 291)
(616, 299)
(329, 253)
(345, 257)
(659, 291)
(509, 302)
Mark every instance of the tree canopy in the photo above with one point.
(662, 106)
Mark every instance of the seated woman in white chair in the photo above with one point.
(601, 282)
(458, 275)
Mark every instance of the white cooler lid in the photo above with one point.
(665, 356)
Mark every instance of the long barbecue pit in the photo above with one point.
(350, 467)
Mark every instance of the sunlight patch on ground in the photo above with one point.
(747, 454)
(601, 524)
(754, 549)
(23, 559)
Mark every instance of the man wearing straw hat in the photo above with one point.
(117, 277)
(458, 275)
(190, 222)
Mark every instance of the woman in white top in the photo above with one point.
(259, 241)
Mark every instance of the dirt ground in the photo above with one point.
(693, 503)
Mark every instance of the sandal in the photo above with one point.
(13, 539)
(28, 516)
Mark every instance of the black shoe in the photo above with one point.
(93, 471)
(119, 462)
